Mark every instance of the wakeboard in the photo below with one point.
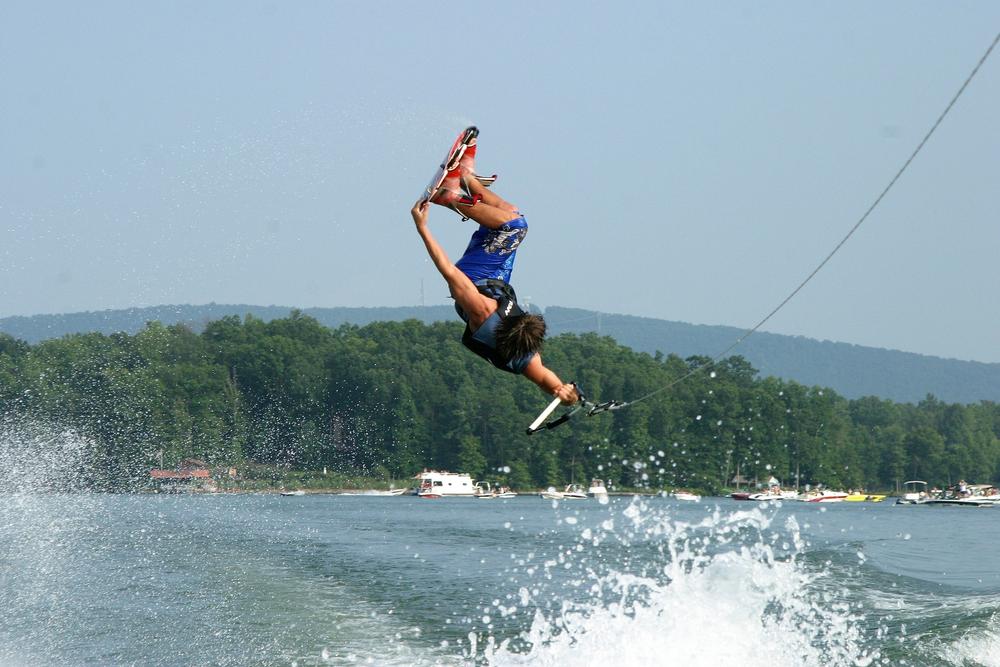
(450, 162)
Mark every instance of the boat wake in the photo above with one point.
(729, 589)
(977, 648)
(645, 581)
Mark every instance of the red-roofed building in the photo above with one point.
(191, 474)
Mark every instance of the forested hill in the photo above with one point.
(852, 370)
(390, 398)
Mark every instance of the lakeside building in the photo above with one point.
(190, 475)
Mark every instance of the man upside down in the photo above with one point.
(497, 329)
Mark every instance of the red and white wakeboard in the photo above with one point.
(450, 162)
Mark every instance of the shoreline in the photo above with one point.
(410, 491)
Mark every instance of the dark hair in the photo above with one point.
(521, 335)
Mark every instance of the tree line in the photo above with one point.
(391, 398)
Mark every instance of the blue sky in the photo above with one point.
(684, 161)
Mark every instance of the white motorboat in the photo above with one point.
(961, 502)
(298, 492)
(485, 491)
(764, 496)
(375, 492)
(381, 492)
(571, 492)
(685, 495)
(915, 493)
(773, 492)
(971, 495)
(443, 483)
(822, 496)
(597, 488)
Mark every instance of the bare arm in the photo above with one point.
(465, 293)
(549, 382)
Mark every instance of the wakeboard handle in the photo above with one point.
(536, 425)
(540, 422)
(592, 409)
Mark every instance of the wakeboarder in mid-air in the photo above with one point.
(497, 329)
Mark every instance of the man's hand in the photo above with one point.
(419, 212)
(567, 393)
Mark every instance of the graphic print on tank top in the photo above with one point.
(504, 241)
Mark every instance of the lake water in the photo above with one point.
(90, 579)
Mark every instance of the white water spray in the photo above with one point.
(730, 590)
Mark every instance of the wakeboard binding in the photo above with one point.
(450, 173)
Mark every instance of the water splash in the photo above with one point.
(726, 590)
(39, 532)
(37, 457)
(979, 647)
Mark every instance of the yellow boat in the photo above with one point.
(863, 497)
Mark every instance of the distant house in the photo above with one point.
(739, 480)
(190, 475)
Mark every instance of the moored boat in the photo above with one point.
(486, 492)
(597, 488)
(571, 492)
(443, 483)
(967, 495)
(864, 497)
(778, 494)
(376, 492)
(961, 502)
(773, 492)
(915, 493)
(822, 496)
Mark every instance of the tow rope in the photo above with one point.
(597, 408)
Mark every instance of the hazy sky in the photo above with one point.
(685, 161)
